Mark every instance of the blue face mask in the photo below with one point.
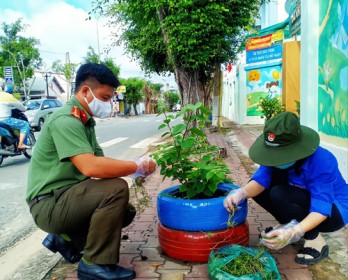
(285, 166)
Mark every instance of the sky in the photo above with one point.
(61, 27)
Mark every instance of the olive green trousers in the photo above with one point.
(92, 213)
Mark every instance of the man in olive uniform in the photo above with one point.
(74, 192)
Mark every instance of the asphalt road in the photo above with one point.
(122, 138)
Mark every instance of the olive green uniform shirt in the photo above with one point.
(64, 135)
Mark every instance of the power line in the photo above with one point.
(52, 52)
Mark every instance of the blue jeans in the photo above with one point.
(22, 126)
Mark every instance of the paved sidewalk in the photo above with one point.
(141, 250)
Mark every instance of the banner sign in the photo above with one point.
(264, 54)
(264, 48)
(8, 75)
(261, 81)
(295, 18)
(265, 41)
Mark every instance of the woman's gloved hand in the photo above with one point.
(234, 198)
(282, 236)
(146, 166)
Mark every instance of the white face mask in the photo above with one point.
(99, 109)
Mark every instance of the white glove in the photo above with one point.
(282, 236)
(235, 197)
(146, 166)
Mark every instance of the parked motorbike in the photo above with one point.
(9, 139)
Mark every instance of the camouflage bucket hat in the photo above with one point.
(284, 140)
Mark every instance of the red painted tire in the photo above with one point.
(196, 246)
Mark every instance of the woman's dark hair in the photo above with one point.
(98, 72)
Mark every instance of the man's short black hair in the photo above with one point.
(98, 72)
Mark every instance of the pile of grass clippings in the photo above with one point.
(246, 264)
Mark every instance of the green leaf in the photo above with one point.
(162, 126)
(213, 187)
(197, 132)
(178, 129)
(188, 143)
(191, 193)
(200, 187)
(209, 175)
(164, 134)
(197, 106)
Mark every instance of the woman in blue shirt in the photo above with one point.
(299, 183)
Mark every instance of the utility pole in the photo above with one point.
(46, 78)
(68, 82)
(98, 39)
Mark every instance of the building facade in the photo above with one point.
(307, 69)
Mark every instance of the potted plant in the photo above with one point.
(192, 219)
(270, 106)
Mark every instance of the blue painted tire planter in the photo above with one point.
(196, 246)
(197, 214)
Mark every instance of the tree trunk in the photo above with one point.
(193, 84)
(148, 107)
(189, 85)
(135, 109)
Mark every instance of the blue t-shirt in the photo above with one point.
(319, 174)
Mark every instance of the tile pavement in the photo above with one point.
(141, 250)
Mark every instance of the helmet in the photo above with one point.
(8, 89)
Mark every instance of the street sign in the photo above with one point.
(8, 74)
(9, 81)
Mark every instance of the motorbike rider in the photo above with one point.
(7, 103)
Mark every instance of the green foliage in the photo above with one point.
(188, 157)
(67, 69)
(93, 57)
(134, 91)
(171, 98)
(19, 52)
(298, 107)
(189, 38)
(155, 87)
(270, 107)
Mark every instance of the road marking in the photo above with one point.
(6, 186)
(144, 143)
(112, 142)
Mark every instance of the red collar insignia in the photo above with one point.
(75, 112)
(83, 116)
(79, 114)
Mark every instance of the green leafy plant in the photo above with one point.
(188, 157)
(270, 107)
(298, 107)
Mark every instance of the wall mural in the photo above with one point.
(260, 83)
(333, 70)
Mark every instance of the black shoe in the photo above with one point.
(315, 255)
(129, 215)
(103, 272)
(56, 243)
